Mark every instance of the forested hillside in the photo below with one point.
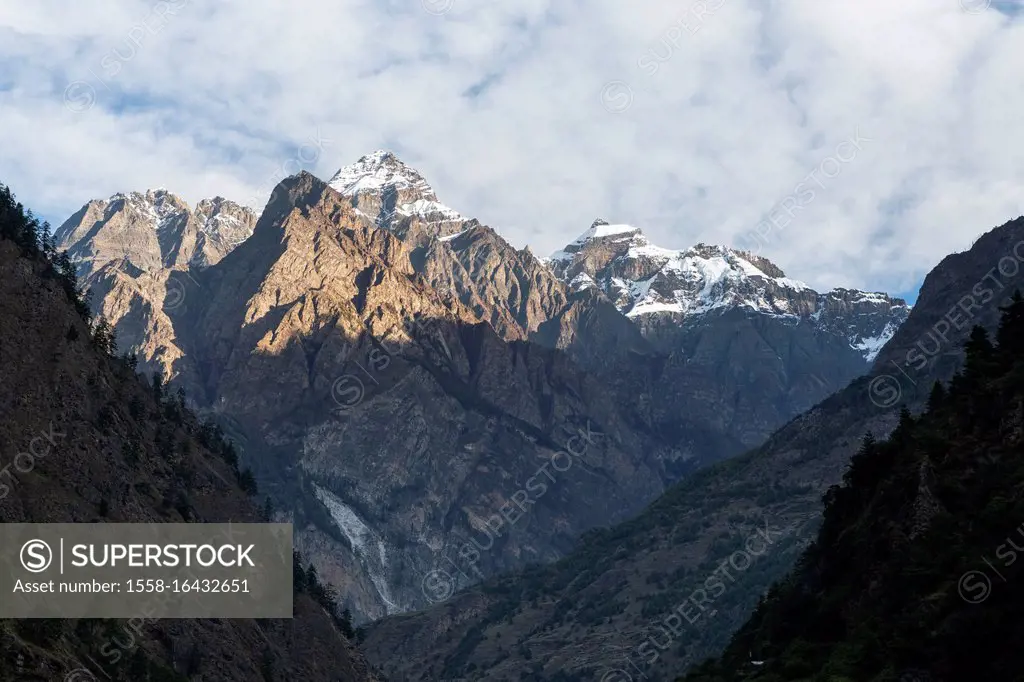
(914, 575)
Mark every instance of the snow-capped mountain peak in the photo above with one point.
(601, 229)
(380, 171)
(646, 281)
(392, 194)
(156, 204)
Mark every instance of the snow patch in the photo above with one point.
(453, 236)
(599, 231)
(872, 345)
(364, 541)
(690, 282)
(429, 210)
(582, 282)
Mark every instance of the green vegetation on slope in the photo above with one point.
(914, 573)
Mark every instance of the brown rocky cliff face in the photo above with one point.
(507, 288)
(448, 420)
(136, 252)
(153, 230)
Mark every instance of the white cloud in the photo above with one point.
(731, 103)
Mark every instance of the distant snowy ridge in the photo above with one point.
(643, 279)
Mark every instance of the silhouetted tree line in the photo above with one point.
(36, 243)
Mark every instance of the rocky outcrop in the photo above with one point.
(137, 253)
(149, 231)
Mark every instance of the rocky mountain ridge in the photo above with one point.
(346, 307)
(153, 230)
(648, 282)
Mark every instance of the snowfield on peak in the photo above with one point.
(376, 172)
(645, 280)
(690, 281)
(872, 345)
(598, 230)
(381, 174)
(605, 230)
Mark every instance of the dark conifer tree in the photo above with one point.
(1010, 335)
(937, 397)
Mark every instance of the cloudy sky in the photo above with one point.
(853, 143)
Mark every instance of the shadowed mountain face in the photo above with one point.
(650, 597)
(423, 400)
(103, 446)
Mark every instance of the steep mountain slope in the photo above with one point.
(354, 301)
(755, 345)
(923, 530)
(135, 251)
(391, 422)
(121, 451)
(652, 596)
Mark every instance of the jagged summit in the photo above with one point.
(645, 280)
(394, 195)
(600, 230)
(607, 249)
(161, 202)
(153, 229)
(377, 172)
(156, 202)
